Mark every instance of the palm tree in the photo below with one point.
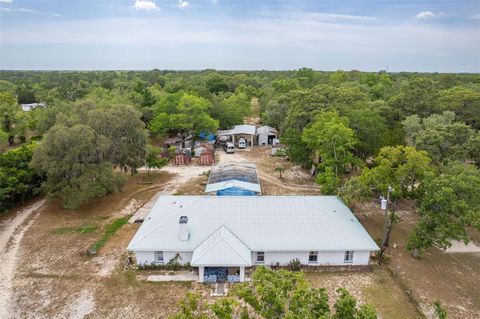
(280, 170)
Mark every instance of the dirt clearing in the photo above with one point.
(11, 233)
(451, 278)
(369, 287)
(294, 181)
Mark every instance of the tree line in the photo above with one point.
(361, 131)
(364, 132)
(96, 126)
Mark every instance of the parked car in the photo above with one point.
(242, 143)
(228, 148)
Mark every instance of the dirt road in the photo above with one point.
(259, 158)
(11, 234)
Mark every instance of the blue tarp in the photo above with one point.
(206, 136)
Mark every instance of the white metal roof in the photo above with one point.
(222, 248)
(232, 183)
(243, 129)
(266, 130)
(262, 223)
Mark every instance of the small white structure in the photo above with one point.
(223, 235)
(266, 135)
(30, 106)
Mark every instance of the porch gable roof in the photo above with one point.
(222, 248)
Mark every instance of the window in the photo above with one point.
(260, 257)
(313, 257)
(159, 257)
(348, 256)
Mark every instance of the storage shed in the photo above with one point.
(207, 157)
(183, 157)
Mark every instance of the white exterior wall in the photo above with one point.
(324, 258)
(262, 139)
(148, 257)
(271, 258)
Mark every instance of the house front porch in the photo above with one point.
(220, 274)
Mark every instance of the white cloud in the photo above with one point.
(6, 1)
(475, 16)
(425, 14)
(214, 1)
(145, 5)
(25, 10)
(182, 4)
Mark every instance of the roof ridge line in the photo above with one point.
(214, 244)
(236, 252)
(234, 235)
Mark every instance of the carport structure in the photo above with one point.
(244, 131)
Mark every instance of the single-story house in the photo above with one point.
(221, 236)
(266, 135)
(236, 179)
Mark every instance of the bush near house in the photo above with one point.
(274, 294)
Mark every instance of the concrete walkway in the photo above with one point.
(184, 276)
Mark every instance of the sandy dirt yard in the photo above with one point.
(12, 231)
(45, 273)
(295, 180)
(453, 278)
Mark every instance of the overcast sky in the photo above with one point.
(398, 35)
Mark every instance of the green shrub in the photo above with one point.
(295, 265)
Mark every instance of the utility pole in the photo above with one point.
(389, 219)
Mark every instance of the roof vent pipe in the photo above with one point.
(183, 228)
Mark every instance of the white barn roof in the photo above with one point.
(261, 223)
(266, 130)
